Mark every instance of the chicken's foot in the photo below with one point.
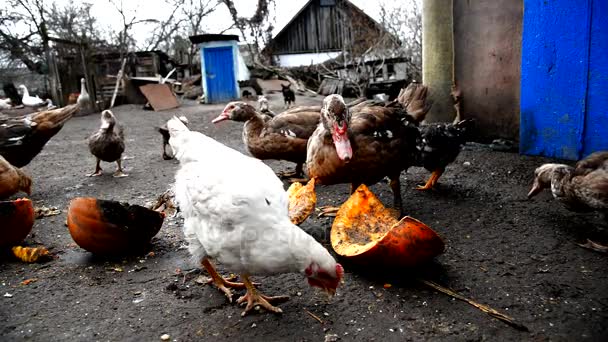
(430, 183)
(119, 172)
(97, 170)
(254, 298)
(224, 284)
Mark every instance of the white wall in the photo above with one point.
(301, 59)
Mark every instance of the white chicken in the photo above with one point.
(30, 101)
(242, 222)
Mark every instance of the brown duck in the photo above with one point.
(283, 137)
(582, 188)
(363, 145)
(23, 137)
(108, 144)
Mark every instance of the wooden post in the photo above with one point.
(52, 70)
(437, 57)
(87, 80)
(118, 79)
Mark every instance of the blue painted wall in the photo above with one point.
(218, 67)
(564, 113)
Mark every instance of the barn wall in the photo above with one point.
(487, 47)
(325, 28)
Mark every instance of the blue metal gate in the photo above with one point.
(564, 78)
(219, 74)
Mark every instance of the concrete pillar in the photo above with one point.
(437, 57)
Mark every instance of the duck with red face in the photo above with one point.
(362, 145)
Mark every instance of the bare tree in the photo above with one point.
(124, 37)
(30, 46)
(405, 23)
(163, 32)
(258, 27)
(76, 23)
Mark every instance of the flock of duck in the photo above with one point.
(361, 142)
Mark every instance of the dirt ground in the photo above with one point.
(519, 256)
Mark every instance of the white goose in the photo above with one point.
(30, 101)
(84, 98)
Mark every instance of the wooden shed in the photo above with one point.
(321, 30)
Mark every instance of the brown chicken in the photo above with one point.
(23, 137)
(13, 180)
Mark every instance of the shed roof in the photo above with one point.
(204, 38)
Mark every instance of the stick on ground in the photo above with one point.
(507, 319)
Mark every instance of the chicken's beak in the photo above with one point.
(222, 117)
(536, 188)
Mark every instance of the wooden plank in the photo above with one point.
(160, 96)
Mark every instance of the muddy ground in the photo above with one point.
(516, 255)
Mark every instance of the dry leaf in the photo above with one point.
(28, 281)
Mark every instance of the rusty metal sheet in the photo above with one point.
(160, 96)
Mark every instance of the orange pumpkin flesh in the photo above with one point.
(17, 220)
(110, 227)
(366, 232)
(302, 200)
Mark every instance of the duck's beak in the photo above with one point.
(105, 124)
(222, 117)
(536, 188)
(339, 135)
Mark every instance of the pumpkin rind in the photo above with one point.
(366, 232)
(17, 219)
(110, 227)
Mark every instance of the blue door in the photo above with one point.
(564, 77)
(219, 74)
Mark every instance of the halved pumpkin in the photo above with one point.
(110, 227)
(17, 220)
(366, 232)
(302, 201)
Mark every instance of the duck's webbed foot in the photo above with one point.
(297, 175)
(119, 172)
(430, 183)
(97, 171)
